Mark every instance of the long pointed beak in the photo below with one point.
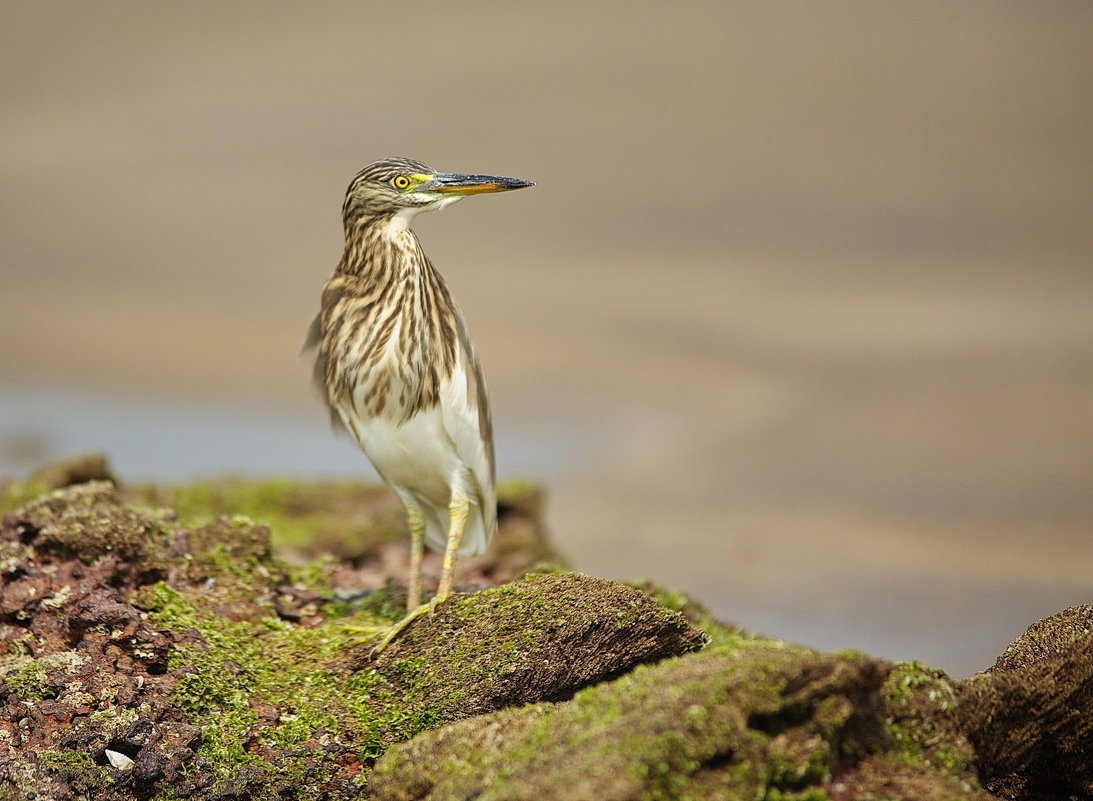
(454, 183)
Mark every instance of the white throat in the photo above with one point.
(402, 219)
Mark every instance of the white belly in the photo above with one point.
(417, 456)
(435, 455)
(420, 459)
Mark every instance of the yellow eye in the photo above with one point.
(400, 182)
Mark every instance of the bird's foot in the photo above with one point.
(386, 635)
(361, 634)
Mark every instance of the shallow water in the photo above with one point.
(168, 441)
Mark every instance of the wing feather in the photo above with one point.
(467, 421)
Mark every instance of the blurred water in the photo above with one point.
(160, 439)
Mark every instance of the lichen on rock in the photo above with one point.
(155, 645)
(731, 722)
(147, 658)
(541, 638)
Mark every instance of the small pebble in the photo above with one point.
(118, 760)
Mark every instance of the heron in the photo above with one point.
(395, 363)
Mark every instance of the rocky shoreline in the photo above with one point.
(152, 646)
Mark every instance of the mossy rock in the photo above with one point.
(540, 638)
(1030, 718)
(151, 653)
(86, 522)
(724, 724)
(201, 666)
(751, 718)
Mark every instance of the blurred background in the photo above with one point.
(799, 317)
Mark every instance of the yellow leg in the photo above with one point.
(385, 634)
(389, 633)
(457, 513)
(417, 552)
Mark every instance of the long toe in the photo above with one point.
(391, 632)
(362, 634)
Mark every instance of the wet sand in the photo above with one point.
(797, 317)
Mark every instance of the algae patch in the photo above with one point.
(724, 723)
(155, 653)
(262, 687)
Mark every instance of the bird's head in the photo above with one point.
(405, 187)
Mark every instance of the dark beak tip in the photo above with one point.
(515, 183)
(461, 183)
(504, 183)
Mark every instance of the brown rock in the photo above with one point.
(721, 724)
(88, 631)
(1030, 719)
(237, 540)
(1046, 639)
(85, 522)
(100, 608)
(77, 470)
(149, 767)
(540, 638)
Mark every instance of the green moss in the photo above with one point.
(117, 717)
(78, 771)
(914, 696)
(347, 517)
(27, 680)
(242, 667)
(808, 794)
(794, 771)
(909, 679)
(169, 608)
(199, 502)
(67, 758)
(387, 603)
(715, 724)
(14, 494)
(469, 666)
(19, 647)
(920, 702)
